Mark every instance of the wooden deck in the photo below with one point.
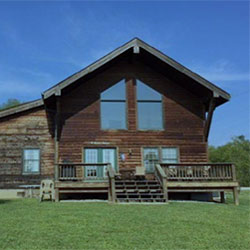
(189, 177)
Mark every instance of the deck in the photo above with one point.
(171, 178)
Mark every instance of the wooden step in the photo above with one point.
(138, 190)
(83, 191)
(149, 200)
(136, 182)
(148, 191)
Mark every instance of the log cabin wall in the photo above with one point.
(28, 129)
(184, 117)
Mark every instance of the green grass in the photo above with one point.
(28, 224)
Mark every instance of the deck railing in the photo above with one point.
(199, 171)
(81, 171)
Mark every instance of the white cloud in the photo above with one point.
(221, 70)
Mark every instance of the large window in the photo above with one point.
(31, 161)
(152, 156)
(113, 107)
(149, 108)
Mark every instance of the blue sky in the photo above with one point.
(42, 42)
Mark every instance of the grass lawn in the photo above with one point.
(28, 224)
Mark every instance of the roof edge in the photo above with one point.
(21, 108)
(181, 68)
(90, 68)
(136, 43)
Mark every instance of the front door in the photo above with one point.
(99, 155)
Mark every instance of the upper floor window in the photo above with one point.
(113, 107)
(149, 108)
(31, 161)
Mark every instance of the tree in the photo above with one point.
(10, 104)
(238, 152)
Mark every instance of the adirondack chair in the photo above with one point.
(47, 190)
(140, 172)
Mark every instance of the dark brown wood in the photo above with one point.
(183, 118)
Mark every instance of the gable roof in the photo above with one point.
(137, 44)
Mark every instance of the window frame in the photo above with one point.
(23, 161)
(159, 148)
(115, 101)
(148, 101)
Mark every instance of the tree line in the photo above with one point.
(10, 103)
(236, 151)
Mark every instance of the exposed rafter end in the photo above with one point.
(136, 49)
(58, 92)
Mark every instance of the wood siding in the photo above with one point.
(183, 118)
(28, 129)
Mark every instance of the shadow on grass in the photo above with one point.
(3, 201)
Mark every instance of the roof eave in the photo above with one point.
(21, 108)
(136, 44)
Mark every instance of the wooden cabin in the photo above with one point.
(132, 126)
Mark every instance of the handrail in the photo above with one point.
(197, 164)
(199, 171)
(111, 177)
(76, 171)
(83, 164)
(162, 177)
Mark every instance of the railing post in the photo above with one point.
(111, 176)
(165, 188)
(163, 179)
(233, 172)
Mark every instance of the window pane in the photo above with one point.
(150, 116)
(116, 92)
(169, 155)
(31, 166)
(144, 92)
(108, 156)
(150, 158)
(113, 115)
(31, 154)
(91, 156)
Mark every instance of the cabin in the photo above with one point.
(131, 127)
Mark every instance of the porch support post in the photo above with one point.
(111, 176)
(236, 196)
(57, 133)
(56, 195)
(165, 189)
(222, 197)
(209, 116)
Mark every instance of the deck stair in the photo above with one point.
(139, 191)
